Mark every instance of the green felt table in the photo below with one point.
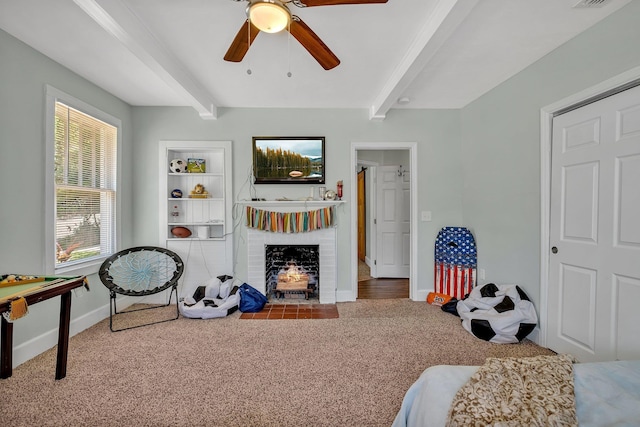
(21, 289)
(34, 293)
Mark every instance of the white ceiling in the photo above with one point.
(436, 53)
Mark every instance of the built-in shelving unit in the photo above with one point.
(206, 215)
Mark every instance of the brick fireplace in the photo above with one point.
(324, 239)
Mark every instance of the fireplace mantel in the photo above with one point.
(290, 205)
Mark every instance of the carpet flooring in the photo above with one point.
(347, 371)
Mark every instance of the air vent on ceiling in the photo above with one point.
(591, 3)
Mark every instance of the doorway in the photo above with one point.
(383, 220)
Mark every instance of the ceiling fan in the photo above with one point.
(272, 16)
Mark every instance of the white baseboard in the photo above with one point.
(420, 295)
(159, 298)
(344, 296)
(41, 343)
(535, 336)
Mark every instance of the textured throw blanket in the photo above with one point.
(533, 391)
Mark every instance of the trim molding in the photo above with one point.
(413, 156)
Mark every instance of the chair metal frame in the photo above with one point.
(114, 289)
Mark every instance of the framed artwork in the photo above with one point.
(196, 165)
(288, 160)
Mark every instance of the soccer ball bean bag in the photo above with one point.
(499, 314)
(218, 297)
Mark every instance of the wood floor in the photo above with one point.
(370, 288)
(383, 288)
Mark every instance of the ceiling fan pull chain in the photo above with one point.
(249, 45)
(289, 50)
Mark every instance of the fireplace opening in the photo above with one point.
(292, 273)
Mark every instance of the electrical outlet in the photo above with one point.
(481, 273)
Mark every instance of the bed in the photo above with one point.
(606, 394)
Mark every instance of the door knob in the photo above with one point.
(554, 250)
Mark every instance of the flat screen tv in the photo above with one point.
(288, 159)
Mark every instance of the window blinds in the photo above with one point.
(85, 179)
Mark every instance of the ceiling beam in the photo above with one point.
(441, 23)
(123, 24)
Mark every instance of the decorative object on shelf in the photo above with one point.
(291, 222)
(196, 165)
(181, 232)
(199, 192)
(203, 232)
(176, 193)
(303, 157)
(339, 187)
(321, 191)
(175, 213)
(178, 166)
(330, 195)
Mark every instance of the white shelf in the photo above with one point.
(290, 205)
(195, 224)
(198, 199)
(194, 174)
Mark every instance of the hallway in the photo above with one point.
(370, 288)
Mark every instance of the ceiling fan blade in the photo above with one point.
(240, 45)
(313, 44)
(311, 3)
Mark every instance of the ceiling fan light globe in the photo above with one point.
(268, 15)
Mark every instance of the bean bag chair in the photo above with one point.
(499, 314)
(218, 297)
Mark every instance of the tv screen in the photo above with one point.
(288, 160)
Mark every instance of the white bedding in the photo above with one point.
(607, 394)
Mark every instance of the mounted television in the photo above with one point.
(288, 160)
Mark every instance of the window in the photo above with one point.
(84, 187)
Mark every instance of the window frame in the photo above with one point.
(54, 95)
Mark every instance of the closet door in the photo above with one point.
(594, 283)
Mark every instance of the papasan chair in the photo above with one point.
(141, 271)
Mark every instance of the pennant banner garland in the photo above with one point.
(290, 222)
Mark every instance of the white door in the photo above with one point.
(594, 265)
(393, 222)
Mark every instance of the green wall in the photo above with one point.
(501, 145)
(436, 133)
(24, 73)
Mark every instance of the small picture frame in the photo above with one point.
(196, 165)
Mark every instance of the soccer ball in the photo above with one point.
(499, 314)
(178, 166)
